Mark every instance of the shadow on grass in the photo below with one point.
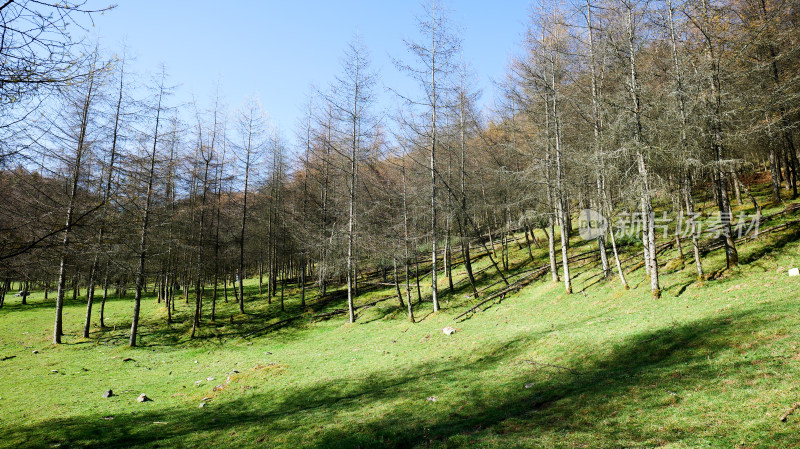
(339, 412)
(13, 304)
(773, 246)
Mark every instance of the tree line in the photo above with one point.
(612, 105)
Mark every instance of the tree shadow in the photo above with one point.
(773, 246)
(561, 401)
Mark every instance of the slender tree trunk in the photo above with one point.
(648, 237)
(405, 246)
(562, 205)
(140, 275)
(62, 274)
(596, 126)
(244, 221)
(105, 296)
(199, 279)
(434, 104)
(551, 248)
(220, 167)
(695, 235)
(351, 235)
(731, 254)
(397, 283)
(419, 289)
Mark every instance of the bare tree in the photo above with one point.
(146, 211)
(435, 56)
(40, 56)
(109, 177)
(85, 105)
(352, 98)
(252, 126)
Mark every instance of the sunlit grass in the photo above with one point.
(712, 365)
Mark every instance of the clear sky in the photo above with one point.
(276, 50)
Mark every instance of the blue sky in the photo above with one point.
(276, 50)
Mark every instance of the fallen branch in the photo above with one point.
(513, 287)
(790, 411)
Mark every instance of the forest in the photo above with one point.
(614, 106)
(671, 126)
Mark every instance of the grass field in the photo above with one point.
(709, 365)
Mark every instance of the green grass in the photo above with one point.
(711, 365)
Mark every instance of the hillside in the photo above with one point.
(708, 365)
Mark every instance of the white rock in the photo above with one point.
(432, 398)
(448, 330)
(794, 272)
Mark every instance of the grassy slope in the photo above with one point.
(710, 365)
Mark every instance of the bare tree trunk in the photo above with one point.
(620, 272)
(397, 283)
(596, 126)
(774, 173)
(405, 245)
(448, 255)
(199, 280)
(749, 194)
(233, 284)
(260, 271)
(676, 207)
(351, 232)
(106, 198)
(283, 286)
(419, 289)
(434, 104)
(695, 237)
(105, 296)
(62, 275)
(408, 293)
(140, 278)
(561, 202)
(220, 167)
(467, 259)
(731, 254)
(648, 237)
(551, 248)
